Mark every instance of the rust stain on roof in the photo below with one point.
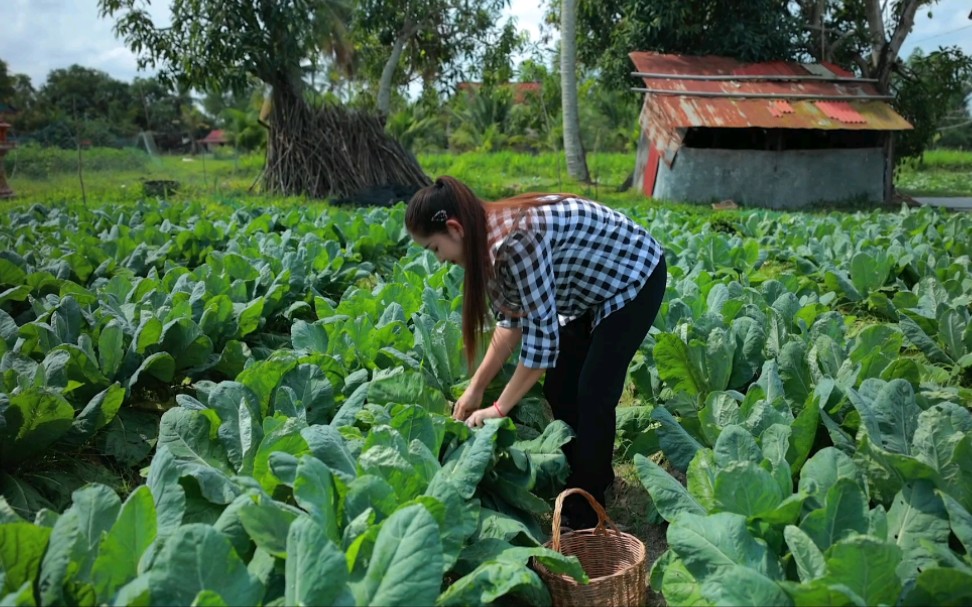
(841, 111)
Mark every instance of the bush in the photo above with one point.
(35, 161)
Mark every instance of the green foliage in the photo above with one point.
(945, 159)
(756, 31)
(827, 444)
(925, 91)
(6, 83)
(841, 545)
(218, 46)
(417, 127)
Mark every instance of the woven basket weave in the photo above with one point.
(614, 562)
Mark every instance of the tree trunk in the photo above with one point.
(890, 55)
(385, 84)
(889, 167)
(331, 151)
(573, 146)
(884, 56)
(875, 30)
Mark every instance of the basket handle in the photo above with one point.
(602, 516)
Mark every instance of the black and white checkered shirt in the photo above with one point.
(560, 261)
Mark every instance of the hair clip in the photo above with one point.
(440, 216)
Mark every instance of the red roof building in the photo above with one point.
(215, 137)
(762, 134)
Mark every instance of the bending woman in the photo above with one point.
(575, 283)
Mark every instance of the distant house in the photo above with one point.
(215, 139)
(777, 134)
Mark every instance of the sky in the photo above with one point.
(37, 36)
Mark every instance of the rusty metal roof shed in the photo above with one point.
(684, 91)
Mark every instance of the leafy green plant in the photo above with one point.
(866, 527)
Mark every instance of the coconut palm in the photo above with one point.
(573, 147)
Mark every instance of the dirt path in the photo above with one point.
(956, 203)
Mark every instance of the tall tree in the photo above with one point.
(434, 39)
(573, 146)
(6, 82)
(24, 96)
(156, 106)
(79, 104)
(216, 45)
(88, 94)
(869, 35)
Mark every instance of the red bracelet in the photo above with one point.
(498, 410)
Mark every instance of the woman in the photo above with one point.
(575, 283)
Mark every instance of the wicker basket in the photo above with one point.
(614, 562)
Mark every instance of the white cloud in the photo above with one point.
(528, 15)
(44, 35)
(948, 25)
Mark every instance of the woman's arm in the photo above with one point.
(523, 379)
(500, 349)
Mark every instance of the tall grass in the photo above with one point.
(111, 175)
(948, 160)
(40, 162)
(937, 173)
(50, 175)
(498, 174)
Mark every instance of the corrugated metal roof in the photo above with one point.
(687, 111)
(735, 110)
(712, 65)
(844, 104)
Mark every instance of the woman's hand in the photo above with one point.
(470, 402)
(478, 418)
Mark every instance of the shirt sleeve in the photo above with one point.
(507, 322)
(531, 269)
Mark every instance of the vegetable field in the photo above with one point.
(222, 404)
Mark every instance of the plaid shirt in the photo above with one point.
(562, 260)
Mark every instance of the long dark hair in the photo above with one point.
(426, 215)
(449, 198)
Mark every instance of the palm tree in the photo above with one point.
(573, 147)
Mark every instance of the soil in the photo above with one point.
(629, 505)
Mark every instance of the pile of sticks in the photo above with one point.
(332, 152)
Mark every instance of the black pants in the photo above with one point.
(584, 388)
